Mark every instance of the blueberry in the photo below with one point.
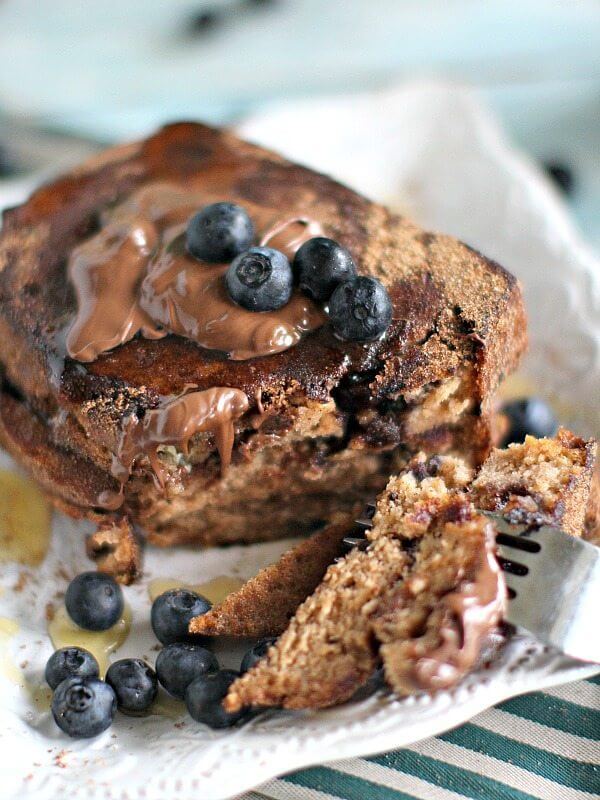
(94, 601)
(256, 653)
(360, 310)
(70, 662)
(529, 415)
(204, 697)
(178, 664)
(322, 264)
(562, 175)
(83, 707)
(204, 21)
(172, 611)
(134, 684)
(219, 232)
(260, 279)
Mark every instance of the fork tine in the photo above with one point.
(366, 521)
(514, 555)
(504, 526)
(350, 542)
(516, 543)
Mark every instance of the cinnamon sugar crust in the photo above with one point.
(265, 604)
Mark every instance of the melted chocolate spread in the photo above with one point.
(136, 275)
(174, 423)
(472, 612)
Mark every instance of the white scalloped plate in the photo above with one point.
(430, 148)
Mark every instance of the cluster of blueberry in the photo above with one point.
(262, 278)
(83, 705)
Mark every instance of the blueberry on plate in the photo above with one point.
(219, 232)
(562, 175)
(83, 707)
(172, 611)
(256, 653)
(360, 310)
(204, 697)
(260, 279)
(94, 601)
(70, 662)
(134, 684)
(529, 415)
(178, 664)
(320, 265)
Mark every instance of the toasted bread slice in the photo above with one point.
(458, 326)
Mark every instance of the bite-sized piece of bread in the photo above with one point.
(265, 604)
(430, 559)
(458, 325)
(542, 481)
(432, 627)
(115, 549)
(329, 649)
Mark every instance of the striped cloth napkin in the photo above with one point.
(544, 745)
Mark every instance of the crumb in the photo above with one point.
(50, 612)
(59, 759)
(21, 582)
(24, 664)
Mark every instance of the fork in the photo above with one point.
(553, 583)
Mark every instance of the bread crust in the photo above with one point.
(264, 604)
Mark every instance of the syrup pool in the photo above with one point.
(25, 519)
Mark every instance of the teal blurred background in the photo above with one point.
(112, 69)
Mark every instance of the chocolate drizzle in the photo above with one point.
(136, 275)
(174, 423)
(289, 235)
(106, 272)
(471, 613)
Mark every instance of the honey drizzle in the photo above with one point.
(25, 518)
(65, 633)
(215, 590)
(8, 668)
